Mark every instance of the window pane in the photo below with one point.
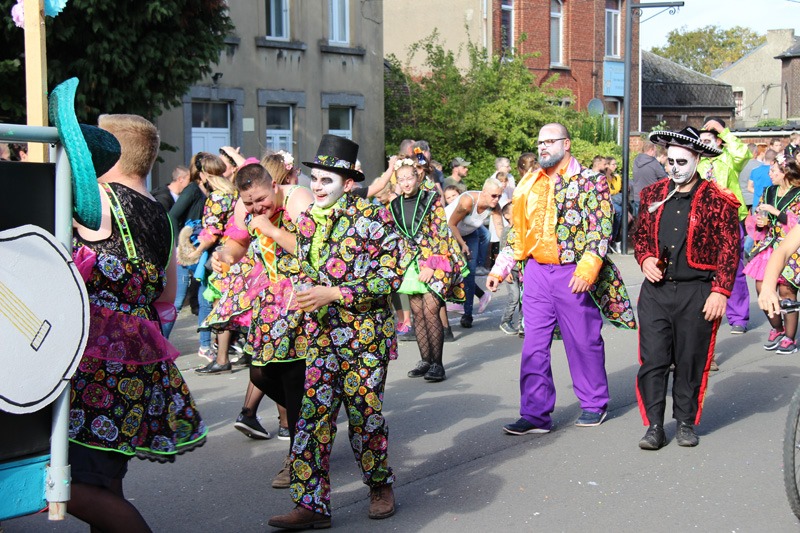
(278, 118)
(555, 40)
(555, 6)
(508, 2)
(209, 115)
(507, 35)
(339, 118)
(612, 4)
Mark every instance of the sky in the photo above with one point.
(758, 15)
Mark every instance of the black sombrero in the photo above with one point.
(688, 138)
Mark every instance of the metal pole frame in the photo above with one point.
(626, 126)
(58, 477)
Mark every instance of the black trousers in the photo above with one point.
(283, 383)
(672, 329)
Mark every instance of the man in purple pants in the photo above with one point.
(561, 228)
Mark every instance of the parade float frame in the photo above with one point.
(30, 477)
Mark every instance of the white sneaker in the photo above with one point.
(483, 303)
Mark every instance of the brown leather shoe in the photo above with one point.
(284, 478)
(301, 518)
(381, 502)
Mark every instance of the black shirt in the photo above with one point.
(672, 232)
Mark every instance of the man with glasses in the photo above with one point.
(562, 224)
(466, 216)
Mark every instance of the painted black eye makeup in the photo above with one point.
(680, 162)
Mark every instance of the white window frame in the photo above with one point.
(614, 15)
(509, 44)
(342, 133)
(613, 111)
(334, 9)
(280, 139)
(283, 7)
(738, 102)
(558, 54)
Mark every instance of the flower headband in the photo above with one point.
(780, 158)
(403, 163)
(288, 160)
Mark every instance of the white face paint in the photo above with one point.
(327, 187)
(681, 164)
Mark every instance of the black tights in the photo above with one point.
(428, 326)
(283, 382)
(105, 509)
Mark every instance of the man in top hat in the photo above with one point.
(353, 253)
(687, 244)
(724, 170)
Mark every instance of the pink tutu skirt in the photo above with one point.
(756, 267)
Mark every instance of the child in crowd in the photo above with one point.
(514, 301)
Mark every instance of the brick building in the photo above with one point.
(580, 43)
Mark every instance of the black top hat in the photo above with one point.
(688, 138)
(337, 154)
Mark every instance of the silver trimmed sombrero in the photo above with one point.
(688, 138)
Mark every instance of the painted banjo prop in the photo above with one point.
(44, 320)
(44, 310)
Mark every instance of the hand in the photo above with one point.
(651, 271)
(713, 125)
(769, 208)
(578, 285)
(509, 279)
(715, 306)
(390, 165)
(768, 301)
(465, 250)
(425, 274)
(263, 224)
(492, 283)
(317, 296)
(221, 261)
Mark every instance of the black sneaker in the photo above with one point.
(419, 370)
(466, 321)
(435, 373)
(214, 368)
(410, 335)
(654, 438)
(448, 334)
(685, 436)
(243, 360)
(283, 433)
(250, 426)
(523, 427)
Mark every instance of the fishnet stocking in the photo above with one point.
(428, 326)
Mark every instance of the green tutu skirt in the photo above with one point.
(411, 283)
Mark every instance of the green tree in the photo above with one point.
(130, 56)
(494, 108)
(707, 49)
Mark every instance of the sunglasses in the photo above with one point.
(495, 196)
(230, 160)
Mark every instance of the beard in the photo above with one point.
(552, 159)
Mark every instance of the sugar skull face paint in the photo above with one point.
(328, 187)
(681, 164)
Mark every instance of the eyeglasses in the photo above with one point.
(549, 142)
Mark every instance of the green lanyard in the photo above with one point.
(122, 223)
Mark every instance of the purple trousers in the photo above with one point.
(547, 299)
(738, 309)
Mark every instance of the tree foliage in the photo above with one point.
(494, 108)
(707, 49)
(130, 56)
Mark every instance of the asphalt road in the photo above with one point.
(457, 471)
